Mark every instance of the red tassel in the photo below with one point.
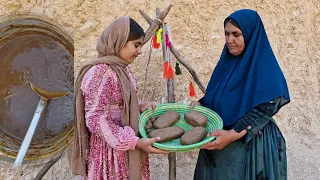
(168, 43)
(154, 42)
(167, 71)
(192, 92)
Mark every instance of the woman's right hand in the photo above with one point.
(145, 144)
(194, 103)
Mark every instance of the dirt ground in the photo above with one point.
(197, 31)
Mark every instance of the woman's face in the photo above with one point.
(234, 39)
(131, 50)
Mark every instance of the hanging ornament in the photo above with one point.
(159, 36)
(169, 33)
(154, 42)
(168, 43)
(177, 69)
(192, 92)
(167, 71)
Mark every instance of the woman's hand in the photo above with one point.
(194, 103)
(143, 107)
(223, 138)
(145, 144)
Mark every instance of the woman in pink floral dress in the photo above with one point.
(106, 144)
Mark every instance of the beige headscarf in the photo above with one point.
(110, 42)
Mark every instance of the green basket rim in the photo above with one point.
(184, 108)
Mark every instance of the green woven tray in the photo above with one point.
(214, 123)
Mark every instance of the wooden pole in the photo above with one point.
(171, 99)
(172, 158)
(154, 26)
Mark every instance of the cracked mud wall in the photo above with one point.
(293, 28)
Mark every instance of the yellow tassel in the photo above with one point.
(159, 36)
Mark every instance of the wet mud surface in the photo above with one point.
(46, 63)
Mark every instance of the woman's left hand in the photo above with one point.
(143, 107)
(223, 138)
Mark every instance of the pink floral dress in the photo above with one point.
(109, 140)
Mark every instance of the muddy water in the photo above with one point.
(45, 62)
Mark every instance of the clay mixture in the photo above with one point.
(46, 63)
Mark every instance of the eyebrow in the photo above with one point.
(233, 32)
(138, 43)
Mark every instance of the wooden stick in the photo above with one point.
(170, 83)
(188, 67)
(158, 12)
(172, 157)
(155, 23)
(180, 59)
(171, 99)
(48, 165)
(146, 17)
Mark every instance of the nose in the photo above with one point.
(229, 39)
(139, 50)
